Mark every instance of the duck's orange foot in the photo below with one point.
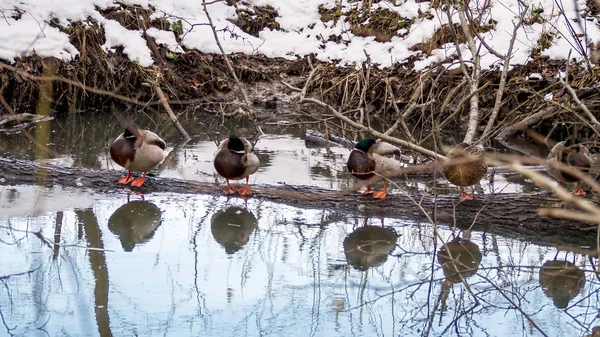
(125, 180)
(579, 192)
(379, 195)
(230, 190)
(466, 196)
(245, 191)
(138, 182)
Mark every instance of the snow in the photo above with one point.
(166, 38)
(25, 29)
(132, 41)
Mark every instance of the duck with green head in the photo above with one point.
(235, 160)
(138, 151)
(572, 155)
(465, 172)
(370, 158)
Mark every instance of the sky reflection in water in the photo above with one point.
(201, 265)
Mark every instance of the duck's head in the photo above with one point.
(235, 144)
(129, 134)
(364, 144)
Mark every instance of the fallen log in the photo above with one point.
(512, 214)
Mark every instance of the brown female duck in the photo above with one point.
(139, 151)
(235, 160)
(572, 155)
(369, 158)
(465, 172)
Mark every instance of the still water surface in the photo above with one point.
(79, 263)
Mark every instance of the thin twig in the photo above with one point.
(227, 62)
(373, 132)
(165, 104)
(503, 76)
(583, 107)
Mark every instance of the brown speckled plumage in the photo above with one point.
(576, 156)
(467, 173)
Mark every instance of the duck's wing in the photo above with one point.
(248, 148)
(477, 150)
(578, 156)
(557, 149)
(152, 138)
(137, 134)
(249, 160)
(222, 145)
(386, 150)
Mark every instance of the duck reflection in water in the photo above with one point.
(135, 223)
(561, 281)
(369, 246)
(231, 227)
(459, 258)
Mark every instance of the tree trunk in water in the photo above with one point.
(510, 214)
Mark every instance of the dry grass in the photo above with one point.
(253, 20)
(382, 23)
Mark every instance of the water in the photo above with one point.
(81, 263)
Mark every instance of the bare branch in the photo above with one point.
(501, 86)
(373, 132)
(583, 107)
(165, 104)
(227, 62)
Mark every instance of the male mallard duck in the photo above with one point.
(466, 173)
(139, 151)
(235, 160)
(369, 158)
(573, 155)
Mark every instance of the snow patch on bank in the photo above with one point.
(26, 30)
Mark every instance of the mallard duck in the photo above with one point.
(235, 160)
(561, 281)
(465, 173)
(369, 158)
(572, 155)
(139, 151)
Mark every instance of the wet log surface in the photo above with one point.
(512, 214)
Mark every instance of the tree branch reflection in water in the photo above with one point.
(99, 269)
(288, 270)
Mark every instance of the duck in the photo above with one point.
(235, 160)
(572, 155)
(469, 173)
(138, 151)
(369, 158)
